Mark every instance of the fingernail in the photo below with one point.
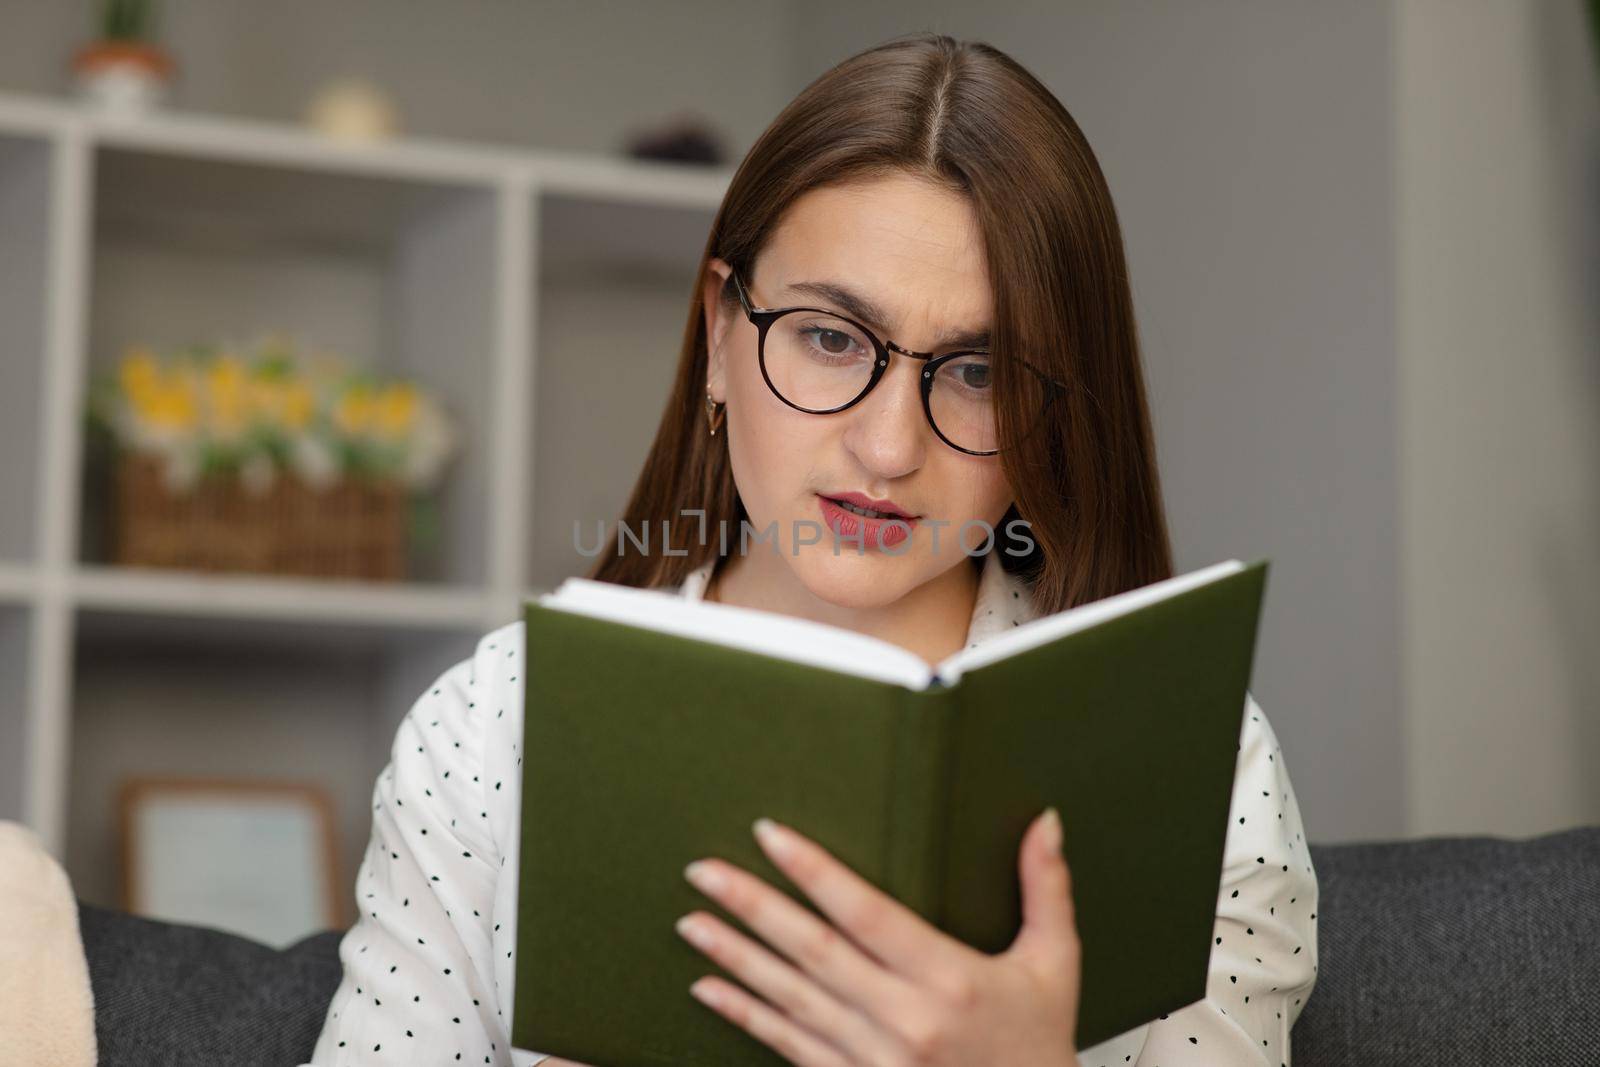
(771, 836)
(696, 934)
(704, 876)
(1053, 828)
(706, 993)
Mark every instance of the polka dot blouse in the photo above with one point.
(428, 966)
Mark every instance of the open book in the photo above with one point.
(658, 728)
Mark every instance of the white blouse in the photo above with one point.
(428, 966)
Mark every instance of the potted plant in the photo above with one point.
(270, 457)
(123, 70)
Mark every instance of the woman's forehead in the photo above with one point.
(893, 216)
(910, 249)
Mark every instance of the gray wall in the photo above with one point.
(1499, 253)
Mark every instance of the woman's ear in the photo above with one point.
(718, 321)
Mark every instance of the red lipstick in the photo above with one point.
(873, 532)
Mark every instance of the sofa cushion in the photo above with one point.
(173, 994)
(1459, 950)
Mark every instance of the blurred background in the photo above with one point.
(320, 320)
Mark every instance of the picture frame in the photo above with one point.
(258, 858)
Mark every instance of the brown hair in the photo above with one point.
(967, 116)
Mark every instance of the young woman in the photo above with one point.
(963, 354)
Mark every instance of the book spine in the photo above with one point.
(918, 796)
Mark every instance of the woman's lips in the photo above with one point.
(874, 533)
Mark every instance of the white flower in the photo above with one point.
(180, 472)
(433, 439)
(314, 461)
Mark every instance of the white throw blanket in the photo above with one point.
(46, 1003)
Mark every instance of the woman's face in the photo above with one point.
(913, 250)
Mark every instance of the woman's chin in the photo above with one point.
(869, 579)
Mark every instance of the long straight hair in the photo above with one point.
(1080, 460)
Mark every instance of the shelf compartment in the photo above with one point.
(596, 239)
(255, 701)
(614, 291)
(399, 275)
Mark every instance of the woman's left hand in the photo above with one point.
(884, 987)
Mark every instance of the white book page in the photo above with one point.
(1044, 630)
(784, 636)
(835, 648)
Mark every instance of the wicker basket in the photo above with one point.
(352, 530)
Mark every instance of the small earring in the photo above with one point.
(714, 412)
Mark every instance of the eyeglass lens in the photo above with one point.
(820, 362)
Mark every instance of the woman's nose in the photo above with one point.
(889, 430)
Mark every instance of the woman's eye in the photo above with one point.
(832, 341)
(972, 376)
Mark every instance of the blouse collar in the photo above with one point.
(1003, 600)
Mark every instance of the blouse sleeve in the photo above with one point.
(419, 980)
(1264, 950)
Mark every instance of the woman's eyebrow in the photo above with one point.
(861, 307)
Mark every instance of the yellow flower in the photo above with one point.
(298, 405)
(264, 400)
(169, 406)
(145, 404)
(397, 409)
(226, 367)
(355, 409)
(167, 397)
(225, 394)
(138, 370)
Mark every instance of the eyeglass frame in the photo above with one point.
(762, 318)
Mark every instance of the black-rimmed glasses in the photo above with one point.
(821, 362)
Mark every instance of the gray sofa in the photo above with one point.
(1460, 951)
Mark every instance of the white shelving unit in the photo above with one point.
(542, 295)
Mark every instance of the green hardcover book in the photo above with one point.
(658, 728)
